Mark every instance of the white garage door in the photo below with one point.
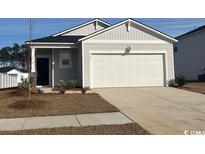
(115, 70)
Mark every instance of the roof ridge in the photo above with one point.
(82, 24)
(133, 20)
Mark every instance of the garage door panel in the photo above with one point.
(127, 70)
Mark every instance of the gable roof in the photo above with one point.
(81, 25)
(135, 22)
(7, 69)
(199, 29)
(57, 39)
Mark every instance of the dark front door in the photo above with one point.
(42, 71)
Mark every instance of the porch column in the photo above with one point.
(33, 60)
(53, 64)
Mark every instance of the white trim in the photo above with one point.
(33, 60)
(82, 25)
(53, 68)
(128, 20)
(164, 53)
(83, 80)
(49, 65)
(166, 69)
(48, 43)
(131, 51)
(126, 41)
(173, 66)
(91, 71)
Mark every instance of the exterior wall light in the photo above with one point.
(127, 49)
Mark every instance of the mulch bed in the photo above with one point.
(198, 87)
(16, 92)
(14, 104)
(126, 129)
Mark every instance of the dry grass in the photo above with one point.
(13, 104)
(27, 104)
(198, 87)
(126, 129)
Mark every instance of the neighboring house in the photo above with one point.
(97, 54)
(15, 71)
(190, 54)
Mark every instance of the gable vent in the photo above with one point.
(128, 26)
(96, 25)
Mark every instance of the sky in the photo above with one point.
(15, 30)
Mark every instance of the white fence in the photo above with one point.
(8, 81)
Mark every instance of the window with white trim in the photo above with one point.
(65, 60)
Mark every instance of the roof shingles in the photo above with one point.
(192, 31)
(59, 39)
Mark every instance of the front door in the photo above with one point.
(42, 71)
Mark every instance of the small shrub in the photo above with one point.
(180, 80)
(24, 85)
(61, 86)
(84, 90)
(72, 83)
(61, 83)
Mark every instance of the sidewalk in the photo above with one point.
(77, 120)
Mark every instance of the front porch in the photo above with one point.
(51, 64)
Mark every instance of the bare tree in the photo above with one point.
(31, 23)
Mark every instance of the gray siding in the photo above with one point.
(63, 73)
(66, 73)
(86, 30)
(121, 33)
(80, 64)
(138, 47)
(190, 56)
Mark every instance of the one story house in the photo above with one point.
(98, 54)
(190, 55)
(20, 73)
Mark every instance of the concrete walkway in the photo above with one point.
(77, 120)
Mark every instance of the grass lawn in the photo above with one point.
(13, 104)
(126, 129)
(198, 87)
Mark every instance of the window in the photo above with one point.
(65, 60)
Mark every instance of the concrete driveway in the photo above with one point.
(160, 110)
